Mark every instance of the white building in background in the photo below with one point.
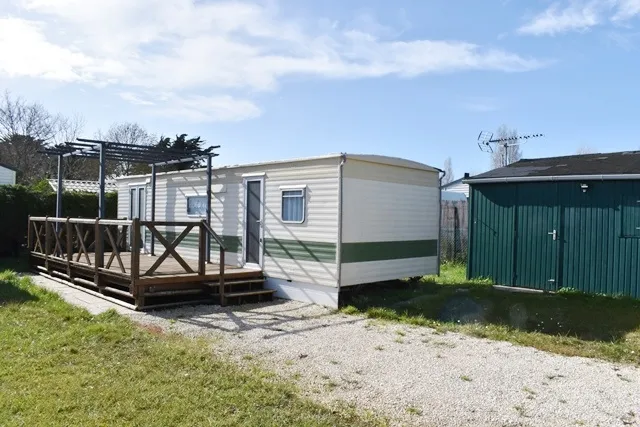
(457, 186)
(7, 175)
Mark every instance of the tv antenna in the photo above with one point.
(486, 142)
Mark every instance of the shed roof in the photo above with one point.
(11, 168)
(619, 165)
(86, 186)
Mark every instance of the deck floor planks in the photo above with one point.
(169, 267)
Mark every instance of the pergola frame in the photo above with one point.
(143, 154)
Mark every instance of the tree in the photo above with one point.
(585, 149)
(127, 133)
(21, 152)
(181, 143)
(67, 130)
(505, 155)
(448, 169)
(17, 117)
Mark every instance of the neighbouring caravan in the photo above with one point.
(313, 226)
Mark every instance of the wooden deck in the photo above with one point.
(97, 254)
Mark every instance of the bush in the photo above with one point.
(17, 202)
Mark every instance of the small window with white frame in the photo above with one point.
(293, 204)
(196, 205)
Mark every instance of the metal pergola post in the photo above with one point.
(153, 206)
(209, 179)
(103, 166)
(59, 188)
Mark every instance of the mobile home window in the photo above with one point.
(196, 205)
(293, 205)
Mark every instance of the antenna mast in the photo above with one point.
(486, 142)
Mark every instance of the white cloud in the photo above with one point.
(24, 51)
(195, 108)
(217, 49)
(554, 20)
(481, 105)
(580, 15)
(627, 9)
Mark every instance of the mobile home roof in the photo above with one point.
(371, 158)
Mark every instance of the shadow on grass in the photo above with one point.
(587, 317)
(18, 264)
(11, 291)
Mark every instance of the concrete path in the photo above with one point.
(92, 304)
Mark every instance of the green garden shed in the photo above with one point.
(559, 222)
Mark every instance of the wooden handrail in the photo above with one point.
(82, 220)
(213, 234)
(206, 227)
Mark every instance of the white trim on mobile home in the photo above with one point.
(357, 219)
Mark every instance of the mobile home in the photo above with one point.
(313, 226)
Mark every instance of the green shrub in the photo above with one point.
(18, 202)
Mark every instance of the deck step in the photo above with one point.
(237, 282)
(249, 293)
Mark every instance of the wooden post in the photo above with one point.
(69, 232)
(221, 280)
(47, 242)
(202, 247)
(30, 239)
(29, 235)
(135, 262)
(98, 253)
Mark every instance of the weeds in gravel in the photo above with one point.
(62, 366)
(521, 410)
(466, 378)
(567, 323)
(379, 347)
(414, 411)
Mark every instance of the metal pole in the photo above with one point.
(209, 206)
(103, 165)
(60, 189)
(153, 205)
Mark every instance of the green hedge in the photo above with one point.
(18, 202)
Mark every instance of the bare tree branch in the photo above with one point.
(504, 156)
(127, 133)
(448, 169)
(585, 149)
(17, 117)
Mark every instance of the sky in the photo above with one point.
(277, 79)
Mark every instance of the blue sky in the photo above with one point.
(271, 79)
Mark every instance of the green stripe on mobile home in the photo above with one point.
(233, 244)
(381, 251)
(300, 250)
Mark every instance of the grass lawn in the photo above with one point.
(564, 323)
(59, 365)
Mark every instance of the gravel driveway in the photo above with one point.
(413, 375)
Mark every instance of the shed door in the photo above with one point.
(537, 249)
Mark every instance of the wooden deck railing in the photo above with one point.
(91, 242)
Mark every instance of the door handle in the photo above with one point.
(554, 233)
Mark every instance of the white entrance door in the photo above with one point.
(253, 216)
(137, 209)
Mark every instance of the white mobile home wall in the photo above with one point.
(389, 220)
(7, 176)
